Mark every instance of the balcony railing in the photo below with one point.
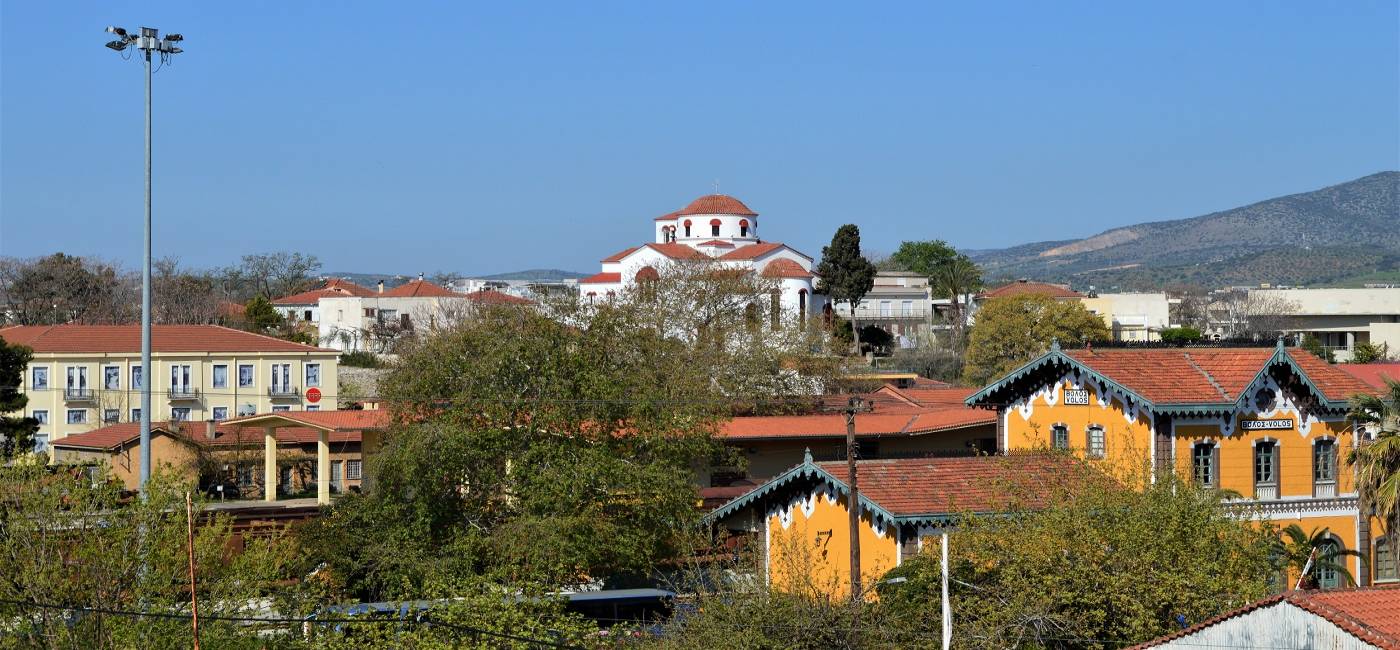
(79, 394)
(183, 393)
(1325, 489)
(283, 392)
(1265, 492)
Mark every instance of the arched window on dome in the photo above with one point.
(687, 227)
(743, 227)
(714, 227)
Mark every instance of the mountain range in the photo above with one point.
(1346, 234)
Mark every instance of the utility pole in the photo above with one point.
(853, 406)
(148, 41)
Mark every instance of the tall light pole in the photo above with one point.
(147, 41)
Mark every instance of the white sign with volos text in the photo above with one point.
(1077, 396)
(1266, 425)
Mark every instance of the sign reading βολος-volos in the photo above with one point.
(1266, 425)
(1077, 396)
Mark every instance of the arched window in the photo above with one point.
(801, 308)
(687, 227)
(743, 227)
(1385, 559)
(1059, 437)
(1328, 558)
(1095, 446)
(1205, 464)
(714, 227)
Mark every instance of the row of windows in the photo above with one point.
(669, 232)
(1095, 445)
(1205, 467)
(113, 416)
(180, 376)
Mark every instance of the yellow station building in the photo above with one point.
(1267, 424)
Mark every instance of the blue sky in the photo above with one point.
(486, 137)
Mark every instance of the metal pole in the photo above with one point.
(146, 378)
(194, 586)
(947, 606)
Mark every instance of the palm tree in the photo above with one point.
(954, 279)
(1377, 461)
(1296, 549)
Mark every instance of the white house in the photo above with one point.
(1341, 619)
(715, 227)
(369, 323)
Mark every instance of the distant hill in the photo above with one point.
(1335, 235)
(537, 275)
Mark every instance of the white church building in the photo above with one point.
(721, 228)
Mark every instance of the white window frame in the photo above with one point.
(136, 415)
(117, 416)
(41, 443)
(281, 382)
(313, 407)
(306, 373)
(1089, 451)
(181, 378)
(252, 375)
(177, 418)
(281, 409)
(214, 376)
(137, 381)
(42, 419)
(353, 470)
(81, 376)
(82, 419)
(34, 383)
(215, 412)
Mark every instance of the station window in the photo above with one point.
(1095, 446)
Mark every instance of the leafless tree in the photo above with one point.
(271, 275)
(1246, 314)
(182, 297)
(64, 288)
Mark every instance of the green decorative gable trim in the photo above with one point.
(1054, 357)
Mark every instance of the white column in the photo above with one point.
(269, 464)
(323, 468)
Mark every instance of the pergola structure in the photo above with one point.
(368, 423)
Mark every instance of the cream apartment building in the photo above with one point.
(83, 377)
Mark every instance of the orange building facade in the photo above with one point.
(1267, 425)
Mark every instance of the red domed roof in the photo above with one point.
(717, 204)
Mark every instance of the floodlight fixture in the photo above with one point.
(117, 45)
(116, 30)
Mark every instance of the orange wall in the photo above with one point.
(816, 548)
(1295, 453)
(1124, 441)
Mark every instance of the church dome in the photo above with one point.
(717, 204)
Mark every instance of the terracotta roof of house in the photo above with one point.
(419, 288)
(677, 251)
(489, 297)
(1374, 374)
(717, 243)
(617, 257)
(668, 216)
(785, 268)
(1206, 375)
(1371, 614)
(231, 309)
(893, 413)
(913, 486)
(751, 251)
(1023, 287)
(602, 278)
(333, 288)
(338, 420)
(114, 436)
(164, 338)
(717, 204)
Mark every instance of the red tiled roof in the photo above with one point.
(617, 257)
(668, 216)
(1023, 287)
(1206, 375)
(716, 243)
(418, 288)
(890, 417)
(338, 420)
(333, 288)
(230, 309)
(785, 268)
(1371, 614)
(487, 297)
(164, 338)
(677, 251)
(916, 486)
(945, 395)
(602, 278)
(717, 204)
(116, 435)
(751, 251)
(1374, 374)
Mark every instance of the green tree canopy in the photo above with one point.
(1377, 461)
(1015, 329)
(16, 429)
(844, 274)
(1103, 564)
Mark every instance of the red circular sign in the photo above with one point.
(313, 395)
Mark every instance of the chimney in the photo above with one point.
(211, 429)
(381, 286)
